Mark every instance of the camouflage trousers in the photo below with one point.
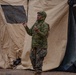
(37, 56)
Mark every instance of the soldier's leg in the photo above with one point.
(32, 58)
(39, 59)
(39, 64)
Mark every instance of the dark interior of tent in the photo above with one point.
(69, 62)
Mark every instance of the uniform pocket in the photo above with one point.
(43, 53)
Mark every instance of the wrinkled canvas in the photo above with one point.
(14, 38)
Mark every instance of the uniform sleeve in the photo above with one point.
(29, 31)
(44, 31)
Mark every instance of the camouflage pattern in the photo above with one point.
(37, 56)
(39, 42)
(39, 39)
(42, 13)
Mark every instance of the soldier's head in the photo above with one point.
(41, 15)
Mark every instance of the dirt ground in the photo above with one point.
(28, 72)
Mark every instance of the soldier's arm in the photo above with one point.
(44, 31)
(29, 31)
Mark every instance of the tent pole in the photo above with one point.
(27, 9)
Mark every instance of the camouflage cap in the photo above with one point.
(42, 13)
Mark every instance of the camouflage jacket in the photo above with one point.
(39, 39)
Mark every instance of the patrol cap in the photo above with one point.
(42, 13)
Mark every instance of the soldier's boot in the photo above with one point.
(37, 73)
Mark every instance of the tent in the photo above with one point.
(16, 43)
(69, 61)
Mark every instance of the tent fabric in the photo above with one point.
(57, 18)
(11, 36)
(70, 55)
(14, 41)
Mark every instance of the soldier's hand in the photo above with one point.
(24, 24)
(36, 29)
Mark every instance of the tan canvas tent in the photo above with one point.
(14, 41)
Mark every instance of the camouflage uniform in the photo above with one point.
(39, 42)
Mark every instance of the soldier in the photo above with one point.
(39, 33)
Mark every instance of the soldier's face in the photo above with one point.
(39, 17)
